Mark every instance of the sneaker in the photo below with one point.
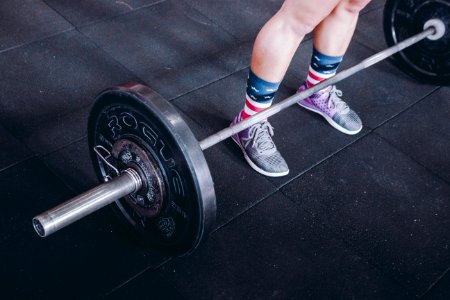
(259, 149)
(329, 105)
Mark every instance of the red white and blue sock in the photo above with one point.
(259, 96)
(322, 67)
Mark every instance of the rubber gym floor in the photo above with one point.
(358, 217)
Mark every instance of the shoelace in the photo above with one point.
(334, 100)
(261, 136)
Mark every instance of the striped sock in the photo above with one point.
(322, 67)
(259, 95)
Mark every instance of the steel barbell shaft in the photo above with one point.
(86, 203)
(129, 181)
(263, 115)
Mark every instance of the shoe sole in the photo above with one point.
(255, 167)
(330, 121)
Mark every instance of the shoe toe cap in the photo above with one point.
(349, 121)
(273, 163)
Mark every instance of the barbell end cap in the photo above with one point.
(38, 227)
(438, 26)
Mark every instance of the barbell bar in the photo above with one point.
(434, 29)
(155, 182)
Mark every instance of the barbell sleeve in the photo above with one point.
(274, 109)
(86, 203)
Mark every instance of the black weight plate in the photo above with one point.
(136, 113)
(428, 61)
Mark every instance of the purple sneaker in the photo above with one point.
(259, 149)
(329, 105)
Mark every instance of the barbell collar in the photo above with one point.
(86, 203)
(274, 109)
(438, 25)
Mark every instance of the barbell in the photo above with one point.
(153, 167)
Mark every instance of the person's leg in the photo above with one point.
(280, 37)
(331, 39)
(275, 46)
(333, 35)
(272, 53)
